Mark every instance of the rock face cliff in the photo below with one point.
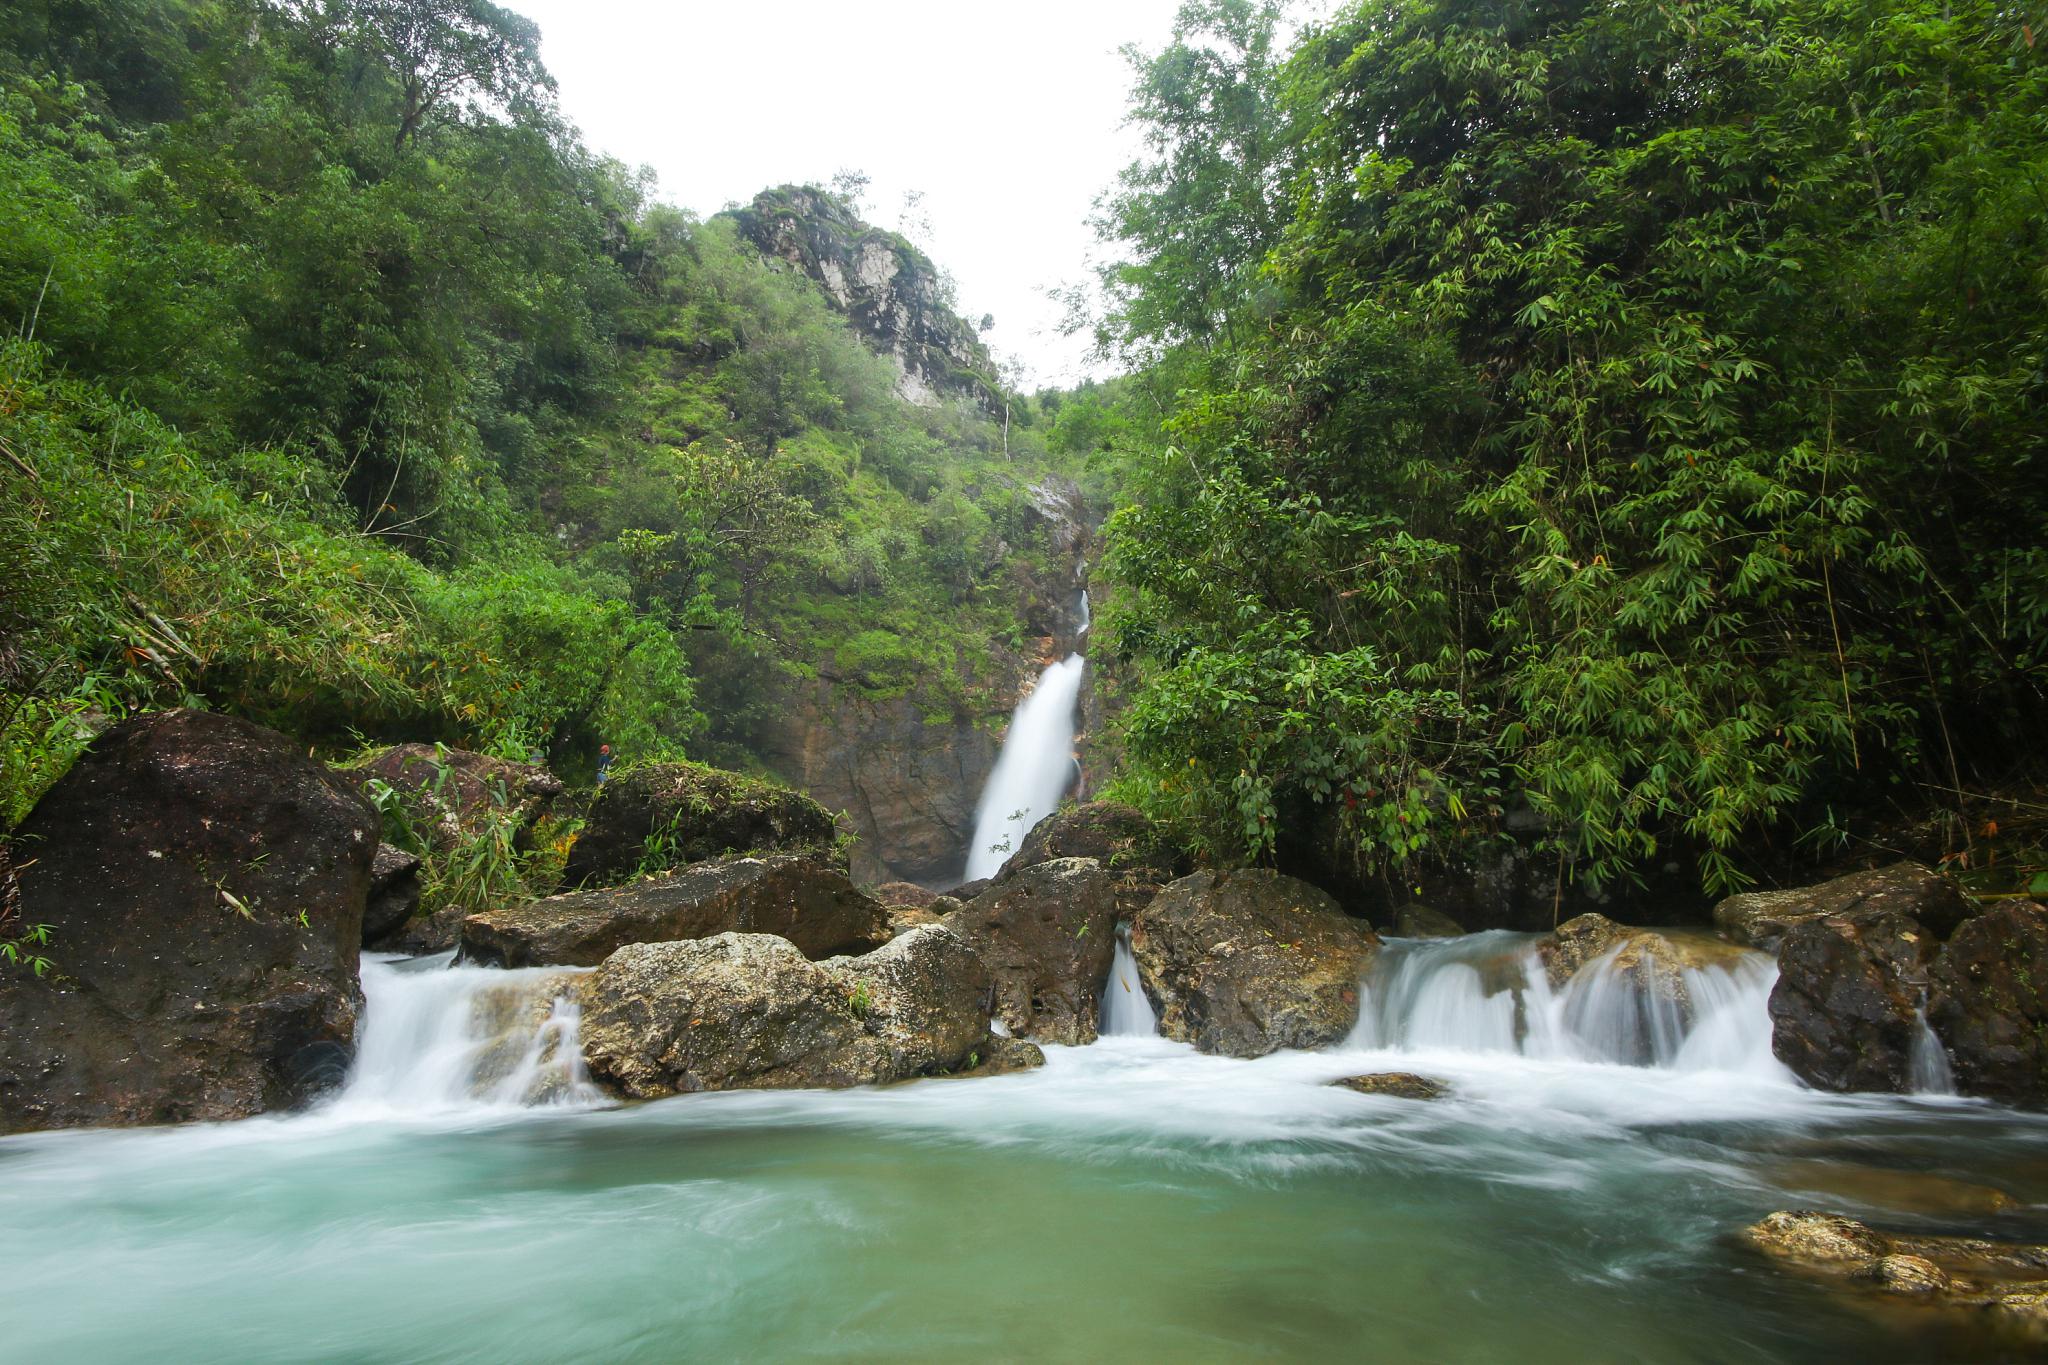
(907, 771)
(888, 288)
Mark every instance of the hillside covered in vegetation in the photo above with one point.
(345, 389)
(1616, 427)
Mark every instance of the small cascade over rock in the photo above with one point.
(1034, 771)
(1126, 1013)
(437, 1038)
(1490, 992)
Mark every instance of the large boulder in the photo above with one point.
(1120, 838)
(1989, 1004)
(1047, 936)
(675, 814)
(203, 882)
(1846, 1010)
(792, 895)
(748, 1011)
(1244, 963)
(1760, 919)
(451, 795)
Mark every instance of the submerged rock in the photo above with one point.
(1419, 921)
(1246, 963)
(795, 896)
(1845, 1013)
(1046, 936)
(2006, 1282)
(204, 884)
(748, 1011)
(1403, 1085)
(669, 815)
(450, 794)
(1916, 1192)
(1651, 963)
(1989, 1004)
(1760, 919)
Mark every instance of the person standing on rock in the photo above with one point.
(604, 762)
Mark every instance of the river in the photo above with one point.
(465, 1199)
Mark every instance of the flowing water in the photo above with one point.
(1033, 771)
(465, 1198)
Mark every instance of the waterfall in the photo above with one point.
(1086, 619)
(1489, 993)
(1032, 773)
(1125, 1011)
(1927, 1069)
(437, 1038)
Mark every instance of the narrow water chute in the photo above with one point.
(1126, 1013)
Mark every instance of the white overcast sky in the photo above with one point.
(1008, 117)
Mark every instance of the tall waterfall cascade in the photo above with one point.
(1033, 771)
(437, 1038)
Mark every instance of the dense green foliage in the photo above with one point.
(1638, 409)
(349, 391)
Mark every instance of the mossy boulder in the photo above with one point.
(669, 815)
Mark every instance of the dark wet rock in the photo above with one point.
(1989, 1004)
(675, 814)
(748, 1011)
(967, 891)
(204, 884)
(450, 794)
(795, 896)
(1760, 919)
(394, 893)
(1003, 1056)
(1047, 936)
(1402, 1085)
(1244, 963)
(1119, 837)
(1419, 921)
(905, 893)
(1845, 1014)
(903, 918)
